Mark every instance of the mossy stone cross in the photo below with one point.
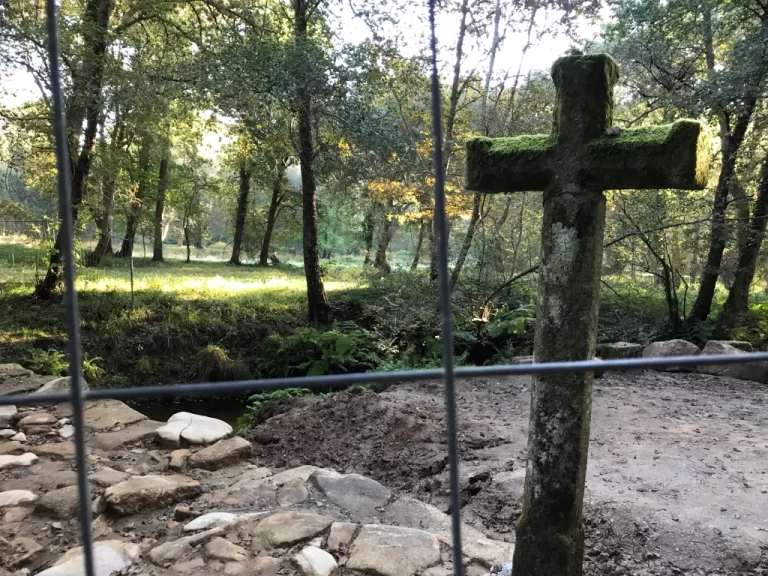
(582, 157)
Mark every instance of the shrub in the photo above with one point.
(49, 361)
(213, 364)
(92, 372)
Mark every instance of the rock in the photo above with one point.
(100, 528)
(63, 421)
(438, 571)
(13, 515)
(352, 492)
(60, 386)
(18, 552)
(36, 419)
(193, 429)
(63, 450)
(313, 561)
(393, 550)
(177, 549)
(138, 432)
(672, 348)
(754, 371)
(61, 504)
(149, 492)
(235, 569)
(179, 459)
(482, 550)
(615, 350)
(189, 566)
(740, 344)
(16, 497)
(7, 433)
(413, 513)
(266, 566)
(182, 512)
(289, 528)
(292, 494)
(106, 414)
(6, 415)
(21, 384)
(13, 370)
(212, 520)
(106, 476)
(108, 557)
(20, 437)
(139, 469)
(222, 549)
(9, 461)
(67, 431)
(222, 454)
(341, 535)
(11, 447)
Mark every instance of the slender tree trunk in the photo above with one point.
(242, 209)
(382, 257)
(85, 103)
(104, 245)
(274, 204)
(717, 238)
(186, 239)
(317, 301)
(136, 208)
(417, 251)
(368, 229)
(467, 244)
(738, 297)
(162, 184)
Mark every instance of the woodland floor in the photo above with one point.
(678, 470)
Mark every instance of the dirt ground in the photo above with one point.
(678, 470)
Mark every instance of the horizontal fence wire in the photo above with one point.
(395, 377)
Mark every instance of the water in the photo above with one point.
(160, 409)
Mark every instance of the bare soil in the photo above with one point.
(678, 472)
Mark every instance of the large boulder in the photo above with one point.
(61, 504)
(186, 428)
(393, 550)
(149, 492)
(754, 371)
(288, 528)
(222, 454)
(352, 492)
(672, 348)
(59, 386)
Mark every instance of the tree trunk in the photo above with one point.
(467, 244)
(417, 251)
(85, 103)
(274, 204)
(104, 222)
(134, 211)
(242, 209)
(738, 297)
(382, 258)
(186, 239)
(717, 238)
(317, 301)
(368, 229)
(162, 183)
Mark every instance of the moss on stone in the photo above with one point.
(509, 164)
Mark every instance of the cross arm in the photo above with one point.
(669, 156)
(514, 164)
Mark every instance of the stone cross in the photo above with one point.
(582, 157)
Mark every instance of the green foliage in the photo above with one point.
(49, 361)
(213, 364)
(92, 372)
(257, 402)
(310, 352)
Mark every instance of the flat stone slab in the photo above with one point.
(341, 535)
(222, 454)
(106, 414)
(137, 432)
(60, 450)
(12, 447)
(185, 427)
(21, 384)
(352, 492)
(59, 386)
(150, 492)
(16, 497)
(106, 476)
(393, 550)
(289, 528)
(222, 549)
(412, 513)
(170, 552)
(614, 350)
(11, 461)
(12, 370)
(108, 557)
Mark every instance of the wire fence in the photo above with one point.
(448, 374)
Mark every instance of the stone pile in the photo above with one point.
(184, 497)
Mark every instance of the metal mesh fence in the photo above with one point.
(448, 374)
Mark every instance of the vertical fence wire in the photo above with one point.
(66, 249)
(445, 301)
